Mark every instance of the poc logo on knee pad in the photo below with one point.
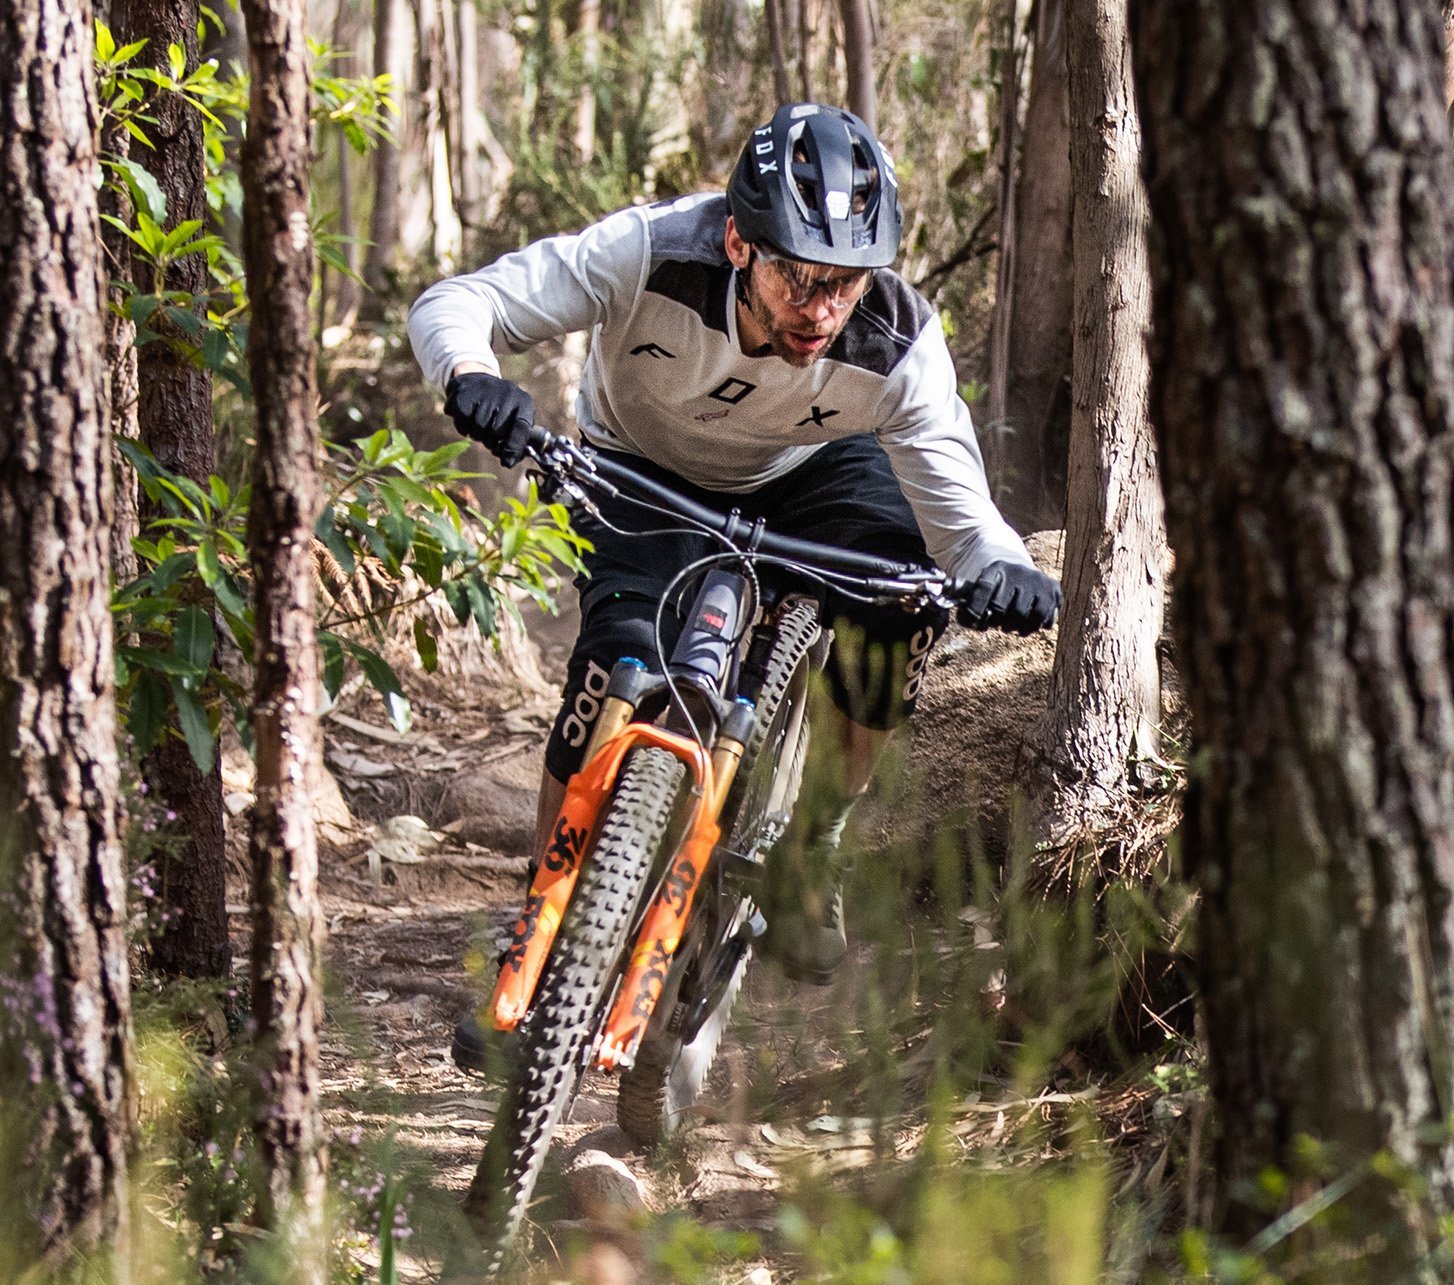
(586, 707)
(919, 647)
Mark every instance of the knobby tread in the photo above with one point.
(668, 1075)
(579, 977)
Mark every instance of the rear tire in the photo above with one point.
(558, 1034)
(658, 1090)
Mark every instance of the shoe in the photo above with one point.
(486, 1052)
(808, 940)
(471, 1047)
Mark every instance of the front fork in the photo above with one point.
(571, 836)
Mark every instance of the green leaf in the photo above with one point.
(177, 60)
(146, 192)
(426, 646)
(148, 713)
(333, 662)
(458, 598)
(442, 455)
(411, 490)
(379, 672)
(105, 42)
(157, 661)
(221, 493)
(195, 728)
(187, 320)
(230, 596)
(194, 637)
(140, 308)
(372, 446)
(334, 541)
(208, 566)
(171, 569)
(428, 562)
(135, 130)
(482, 604)
(216, 349)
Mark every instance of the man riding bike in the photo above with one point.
(754, 351)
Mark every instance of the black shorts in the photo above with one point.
(844, 495)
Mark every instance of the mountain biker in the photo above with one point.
(753, 350)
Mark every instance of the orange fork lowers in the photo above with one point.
(560, 867)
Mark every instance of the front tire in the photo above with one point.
(558, 1034)
(658, 1090)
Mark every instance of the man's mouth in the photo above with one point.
(805, 343)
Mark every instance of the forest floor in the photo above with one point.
(812, 1094)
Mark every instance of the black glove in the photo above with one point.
(496, 413)
(1013, 597)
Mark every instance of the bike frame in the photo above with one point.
(703, 658)
(704, 664)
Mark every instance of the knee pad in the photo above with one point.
(876, 666)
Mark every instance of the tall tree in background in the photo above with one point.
(1302, 190)
(121, 353)
(174, 418)
(66, 1018)
(1029, 405)
(287, 922)
(1105, 688)
(858, 60)
(389, 24)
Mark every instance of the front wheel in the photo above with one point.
(672, 1064)
(559, 1033)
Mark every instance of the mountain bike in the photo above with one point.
(642, 911)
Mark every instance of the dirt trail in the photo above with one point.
(409, 932)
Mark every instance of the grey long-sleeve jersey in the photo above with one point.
(666, 376)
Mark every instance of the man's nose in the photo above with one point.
(817, 308)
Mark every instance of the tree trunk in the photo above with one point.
(1448, 9)
(588, 30)
(805, 50)
(993, 433)
(345, 292)
(65, 1061)
(174, 415)
(1029, 484)
(384, 215)
(1303, 379)
(287, 922)
(472, 129)
(432, 99)
(121, 359)
(1105, 688)
(781, 85)
(858, 60)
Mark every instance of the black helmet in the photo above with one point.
(814, 184)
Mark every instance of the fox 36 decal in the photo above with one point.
(919, 646)
(586, 707)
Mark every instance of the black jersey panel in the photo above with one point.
(694, 231)
(702, 287)
(884, 326)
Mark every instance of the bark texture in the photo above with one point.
(858, 60)
(1028, 461)
(1105, 688)
(174, 420)
(384, 213)
(1301, 186)
(65, 1022)
(287, 922)
(772, 12)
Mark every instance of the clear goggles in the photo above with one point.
(801, 281)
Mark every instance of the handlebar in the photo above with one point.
(567, 463)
